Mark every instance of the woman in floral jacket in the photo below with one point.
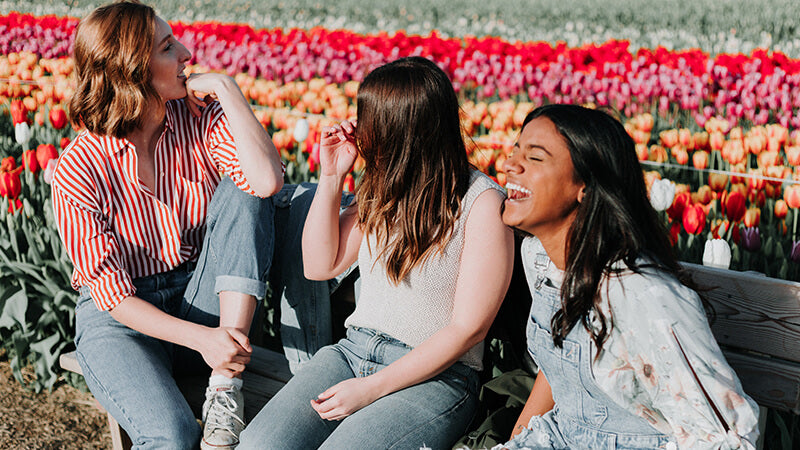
(626, 356)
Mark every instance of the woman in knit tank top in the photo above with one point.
(435, 262)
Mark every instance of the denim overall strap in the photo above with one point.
(584, 415)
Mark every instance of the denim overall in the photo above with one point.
(584, 416)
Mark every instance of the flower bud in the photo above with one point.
(22, 132)
(751, 239)
(301, 129)
(717, 253)
(662, 193)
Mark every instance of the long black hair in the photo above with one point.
(614, 221)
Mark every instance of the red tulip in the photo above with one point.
(64, 143)
(694, 219)
(29, 161)
(19, 113)
(8, 164)
(44, 153)
(58, 117)
(10, 184)
(735, 206)
(680, 203)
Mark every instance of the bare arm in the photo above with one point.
(485, 273)
(224, 349)
(258, 158)
(539, 402)
(330, 240)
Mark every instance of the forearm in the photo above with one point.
(539, 402)
(258, 157)
(426, 360)
(145, 318)
(321, 236)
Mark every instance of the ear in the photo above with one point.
(581, 193)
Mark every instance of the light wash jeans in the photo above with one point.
(132, 375)
(434, 413)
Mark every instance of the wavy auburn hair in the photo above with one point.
(614, 221)
(416, 170)
(112, 52)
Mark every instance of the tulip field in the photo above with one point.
(715, 115)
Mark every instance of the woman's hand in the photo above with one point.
(226, 350)
(345, 398)
(205, 85)
(338, 150)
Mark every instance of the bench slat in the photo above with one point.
(771, 383)
(753, 312)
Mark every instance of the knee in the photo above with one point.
(180, 433)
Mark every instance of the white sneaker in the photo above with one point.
(223, 417)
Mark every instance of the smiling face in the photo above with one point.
(543, 195)
(167, 63)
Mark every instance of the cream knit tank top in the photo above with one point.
(422, 303)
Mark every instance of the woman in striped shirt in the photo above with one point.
(166, 273)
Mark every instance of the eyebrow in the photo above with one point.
(166, 38)
(532, 147)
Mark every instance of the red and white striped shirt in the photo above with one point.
(115, 228)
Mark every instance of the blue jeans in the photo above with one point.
(131, 374)
(435, 412)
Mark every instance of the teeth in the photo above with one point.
(516, 187)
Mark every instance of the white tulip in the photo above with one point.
(717, 254)
(662, 193)
(301, 130)
(22, 132)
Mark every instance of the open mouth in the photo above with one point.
(517, 192)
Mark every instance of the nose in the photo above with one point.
(184, 53)
(511, 164)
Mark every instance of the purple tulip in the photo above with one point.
(751, 239)
(795, 254)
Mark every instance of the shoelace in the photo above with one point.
(222, 416)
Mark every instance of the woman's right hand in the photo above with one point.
(338, 150)
(226, 350)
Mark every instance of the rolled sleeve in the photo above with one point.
(93, 251)
(221, 146)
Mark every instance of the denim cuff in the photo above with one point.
(242, 285)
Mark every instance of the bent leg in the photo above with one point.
(287, 421)
(236, 255)
(130, 375)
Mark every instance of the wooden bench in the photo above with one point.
(757, 325)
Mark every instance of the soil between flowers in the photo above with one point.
(65, 418)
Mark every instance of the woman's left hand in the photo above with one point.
(345, 398)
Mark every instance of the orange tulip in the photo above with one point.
(658, 154)
(792, 155)
(700, 159)
(681, 155)
(700, 140)
(717, 181)
(703, 196)
(641, 152)
(716, 140)
(752, 217)
(669, 138)
(685, 138)
(781, 209)
(791, 195)
(755, 181)
(769, 159)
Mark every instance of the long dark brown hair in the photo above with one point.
(416, 170)
(112, 52)
(614, 221)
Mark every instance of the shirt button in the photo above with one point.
(163, 173)
(671, 446)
